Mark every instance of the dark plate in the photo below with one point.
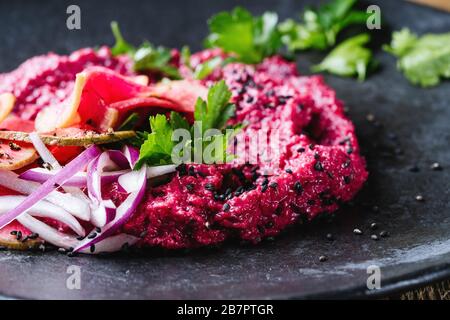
(418, 250)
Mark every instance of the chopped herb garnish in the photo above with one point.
(348, 59)
(213, 113)
(147, 57)
(423, 60)
(319, 27)
(249, 38)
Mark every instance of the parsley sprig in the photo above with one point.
(213, 113)
(146, 57)
(250, 38)
(423, 60)
(320, 26)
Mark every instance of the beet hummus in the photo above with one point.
(319, 159)
(319, 155)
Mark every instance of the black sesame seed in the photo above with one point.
(143, 234)
(62, 250)
(298, 187)
(373, 226)
(190, 187)
(92, 248)
(250, 99)
(13, 233)
(323, 258)
(288, 171)
(273, 185)
(330, 237)
(14, 147)
(264, 188)
(301, 150)
(98, 229)
(92, 235)
(191, 171)
(384, 234)
(33, 236)
(374, 237)
(316, 156)
(80, 238)
(350, 150)
(19, 235)
(209, 186)
(347, 179)
(318, 166)
(414, 168)
(311, 146)
(265, 181)
(226, 207)
(436, 166)
(357, 231)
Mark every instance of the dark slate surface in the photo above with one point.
(418, 249)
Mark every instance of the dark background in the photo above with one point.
(411, 127)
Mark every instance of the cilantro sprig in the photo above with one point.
(320, 26)
(250, 38)
(423, 60)
(213, 113)
(348, 59)
(146, 57)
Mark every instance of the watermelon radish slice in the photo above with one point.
(7, 101)
(16, 155)
(183, 93)
(9, 238)
(101, 97)
(15, 123)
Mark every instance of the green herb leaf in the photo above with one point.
(348, 59)
(206, 68)
(146, 57)
(218, 108)
(121, 46)
(155, 59)
(423, 60)
(130, 122)
(250, 38)
(157, 149)
(320, 27)
(211, 114)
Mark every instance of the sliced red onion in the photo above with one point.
(111, 244)
(44, 153)
(160, 170)
(51, 184)
(48, 157)
(94, 172)
(42, 209)
(128, 181)
(71, 204)
(49, 234)
(132, 155)
(123, 213)
(79, 180)
(103, 213)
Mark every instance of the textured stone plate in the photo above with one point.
(418, 250)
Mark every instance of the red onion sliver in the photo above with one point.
(62, 176)
(49, 234)
(71, 204)
(123, 213)
(132, 154)
(44, 153)
(79, 180)
(112, 244)
(42, 209)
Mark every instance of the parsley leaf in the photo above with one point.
(121, 46)
(250, 38)
(423, 60)
(348, 58)
(210, 114)
(155, 59)
(145, 58)
(319, 27)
